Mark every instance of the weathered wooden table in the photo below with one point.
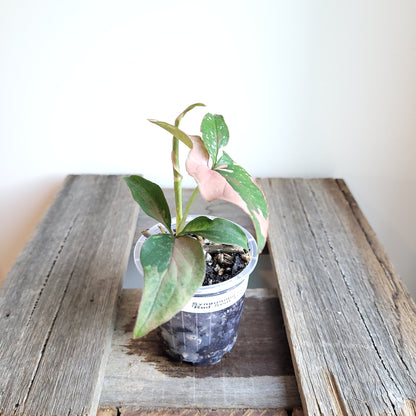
(347, 321)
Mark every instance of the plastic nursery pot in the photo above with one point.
(207, 327)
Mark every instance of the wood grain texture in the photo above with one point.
(132, 411)
(108, 411)
(350, 323)
(257, 373)
(58, 302)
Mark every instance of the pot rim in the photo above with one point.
(217, 287)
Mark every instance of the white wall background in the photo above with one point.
(307, 88)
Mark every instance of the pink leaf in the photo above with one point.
(211, 184)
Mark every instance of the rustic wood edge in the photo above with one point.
(287, 327)
(107, 350)
(372, 239)
(154, 411)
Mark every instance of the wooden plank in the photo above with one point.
(57, 304)
(200, 412)
(350, 323)
(256, 374)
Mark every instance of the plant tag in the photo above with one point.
(214, 303)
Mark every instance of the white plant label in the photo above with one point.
(214, 303)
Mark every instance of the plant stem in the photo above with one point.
(177, 179)
(181, 224)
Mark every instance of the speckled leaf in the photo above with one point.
(217, 230)
(240, 180)
(151, 199)
(229, 182)
(174, 268)
(214, 134)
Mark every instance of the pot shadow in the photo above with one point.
(261, 348)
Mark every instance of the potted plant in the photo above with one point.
(198, 322)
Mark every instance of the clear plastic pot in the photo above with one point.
(207, 327)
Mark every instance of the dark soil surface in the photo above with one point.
(224, 264)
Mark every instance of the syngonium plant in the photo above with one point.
(173, 261)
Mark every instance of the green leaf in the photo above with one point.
(217, 230)
(214, 134)
(151, 199)
(243, 184)
(178, 133)
(174, 268)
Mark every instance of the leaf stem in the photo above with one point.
(177, 179)
(180, 225)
